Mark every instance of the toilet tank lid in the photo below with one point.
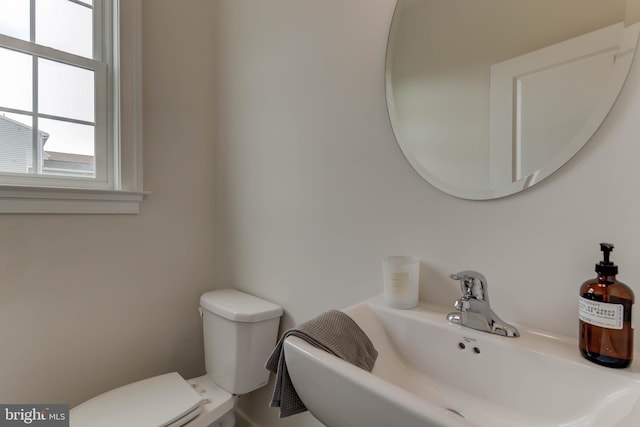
(239, 306)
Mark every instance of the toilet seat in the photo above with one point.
(163, 401)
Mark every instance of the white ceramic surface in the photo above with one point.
(423, 377)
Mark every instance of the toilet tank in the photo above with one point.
(240, 332)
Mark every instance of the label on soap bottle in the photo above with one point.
(602, 314)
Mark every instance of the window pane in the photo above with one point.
(68, 149)
(16, 146)
(65, 91)
(65, 25)
(15, 80)
(14, 18)
(67, 137)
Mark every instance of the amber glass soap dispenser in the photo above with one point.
(605, 306)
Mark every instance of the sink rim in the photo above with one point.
(531, 339)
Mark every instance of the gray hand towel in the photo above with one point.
(332, 331)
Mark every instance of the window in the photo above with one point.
(70, 140)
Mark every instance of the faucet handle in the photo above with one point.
(473, 284)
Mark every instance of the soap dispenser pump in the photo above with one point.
(605, 310)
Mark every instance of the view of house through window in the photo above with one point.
(48, 87)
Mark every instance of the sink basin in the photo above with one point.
(432, 373)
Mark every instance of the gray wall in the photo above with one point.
(314, 191)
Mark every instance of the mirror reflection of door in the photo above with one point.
(549, 101)
(451, 63)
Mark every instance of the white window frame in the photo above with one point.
(117, 187)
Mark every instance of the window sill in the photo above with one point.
(39, 200)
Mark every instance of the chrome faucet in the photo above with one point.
(473, 306)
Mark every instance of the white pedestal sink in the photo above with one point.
(430, 373)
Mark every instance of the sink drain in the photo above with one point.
(455, 412)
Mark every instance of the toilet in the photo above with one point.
(240, 332)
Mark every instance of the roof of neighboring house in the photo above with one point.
(68, 157)
(42, 133)
(67, 161)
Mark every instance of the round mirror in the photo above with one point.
(489, 97)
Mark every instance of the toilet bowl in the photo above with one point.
(240, 331)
